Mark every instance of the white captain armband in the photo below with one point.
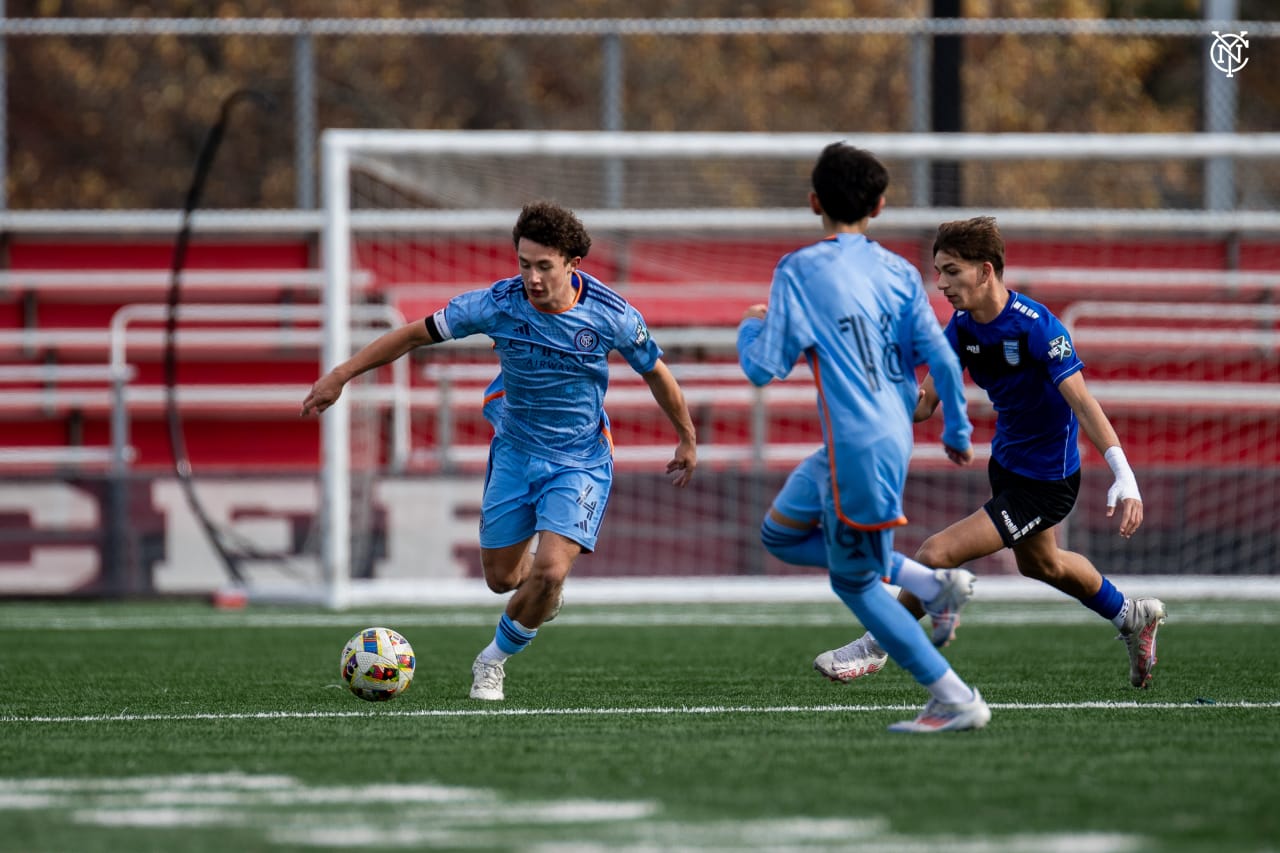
(438, 326)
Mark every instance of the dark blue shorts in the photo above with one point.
(1021, 506)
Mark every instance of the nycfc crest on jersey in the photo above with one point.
(586, 340)
(549, 400)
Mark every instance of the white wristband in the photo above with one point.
(1119, 465)
(1126, 484)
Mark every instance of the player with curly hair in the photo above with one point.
(550, 466)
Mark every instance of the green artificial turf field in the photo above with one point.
(173, 726)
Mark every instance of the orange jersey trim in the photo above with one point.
(816, 366)
(608, 436)
(577, 295)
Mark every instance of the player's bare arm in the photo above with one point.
(757, 312)
(667, 392)
(383, 350)
(1095, 424)
(926, 405)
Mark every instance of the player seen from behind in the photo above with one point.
(858, 315)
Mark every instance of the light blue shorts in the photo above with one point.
(800, 498)
(524, 494)
(851, 552)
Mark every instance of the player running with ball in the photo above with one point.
(551, 459)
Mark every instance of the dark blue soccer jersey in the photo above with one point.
(1018, 359)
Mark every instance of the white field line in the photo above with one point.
(1063, 612)
(289, 812)
(808, 588)
(674, 710)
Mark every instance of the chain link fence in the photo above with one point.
(108, 113)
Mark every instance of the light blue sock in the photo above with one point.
(792, 545)
(893, 626)
(511, 636)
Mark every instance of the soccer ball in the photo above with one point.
(377, 664)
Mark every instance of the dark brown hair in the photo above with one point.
(554, 226)
(974, 240)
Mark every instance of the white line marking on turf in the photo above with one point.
(1186, 613)
(604, 712)
(289, 812)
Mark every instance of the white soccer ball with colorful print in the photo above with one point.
(377, 664)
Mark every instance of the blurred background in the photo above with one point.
(107, 102)
(105, 105)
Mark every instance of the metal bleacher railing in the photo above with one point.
(453, 389)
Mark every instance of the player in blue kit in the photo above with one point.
(1023, 357)
(858, 315)
(551, 458)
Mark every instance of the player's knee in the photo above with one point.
(933, 552)
(499, 584)
(801, 546)
(777, 539)
(1041, 570)
(499, 575)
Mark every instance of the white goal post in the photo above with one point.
(424, 215)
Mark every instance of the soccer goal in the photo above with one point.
(1172, 305)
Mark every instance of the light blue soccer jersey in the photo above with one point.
(1018, 359)
(554, 366)
(858, 314)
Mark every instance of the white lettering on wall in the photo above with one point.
(53, 507)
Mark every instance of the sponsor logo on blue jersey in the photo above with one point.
(1011, 354)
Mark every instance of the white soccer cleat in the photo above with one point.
(861, 657)
(1139, 634)
(945, 717)
(486, 680)
(944, 609)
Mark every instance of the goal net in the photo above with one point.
(1173, 308)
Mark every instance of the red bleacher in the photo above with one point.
(44, 322)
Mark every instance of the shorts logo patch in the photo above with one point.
(585, 340)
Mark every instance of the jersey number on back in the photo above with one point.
(875, 352)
